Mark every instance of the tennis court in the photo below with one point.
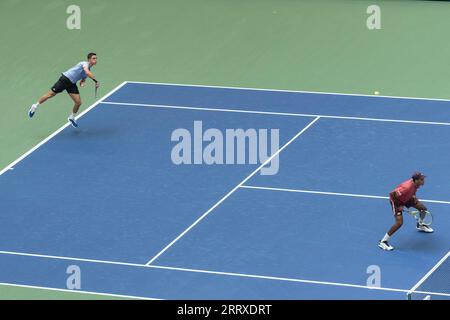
(108, 199)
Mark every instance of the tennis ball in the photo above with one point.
(376, 92)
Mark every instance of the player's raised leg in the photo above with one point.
(44, 98)
(77, 103)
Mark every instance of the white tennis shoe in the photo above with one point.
(424, 228)
(32, 110)
(385, 245)
(72, 121)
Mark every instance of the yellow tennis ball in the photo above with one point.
(376, 92)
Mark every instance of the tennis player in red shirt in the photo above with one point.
(405, 196)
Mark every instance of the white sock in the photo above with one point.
(72, 115)
(386, 238)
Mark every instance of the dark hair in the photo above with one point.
(91, 54)
(417, 175)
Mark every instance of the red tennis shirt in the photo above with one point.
(405, 191)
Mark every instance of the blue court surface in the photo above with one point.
(108, 198)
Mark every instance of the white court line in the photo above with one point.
(275, 113)
(338, 284)
(232, 191)
(290, 91)
(220, 273)
(35, 255)
(333, 193)
(75, 291)
(26, 154)
(425, 277)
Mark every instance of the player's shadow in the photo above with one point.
(423, 242)
(91, 132)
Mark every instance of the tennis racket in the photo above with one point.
(95, 94)
(426, 219)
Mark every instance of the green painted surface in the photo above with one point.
(19, 293)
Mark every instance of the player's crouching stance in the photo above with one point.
(405, 196)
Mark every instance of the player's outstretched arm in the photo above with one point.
(91, 75)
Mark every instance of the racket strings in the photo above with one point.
(425, 218)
